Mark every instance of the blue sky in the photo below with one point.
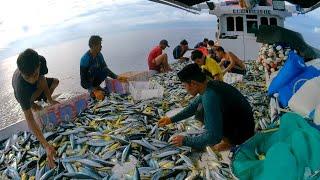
(38, 23)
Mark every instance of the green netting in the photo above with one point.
(282, 154)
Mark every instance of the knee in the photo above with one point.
(55, 83)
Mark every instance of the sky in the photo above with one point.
(37, 23)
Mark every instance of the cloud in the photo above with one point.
(316, 29)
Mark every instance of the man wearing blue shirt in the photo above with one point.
(94, 70)
(228, 117)
(180, 50)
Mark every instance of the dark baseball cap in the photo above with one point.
(164, 42)
(184, 42)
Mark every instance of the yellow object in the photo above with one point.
(98, 94)
(148, 111)
(24, 176)
(122, 79)
(261, 157)
(165, 105)
(212, 67)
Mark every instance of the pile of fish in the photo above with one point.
(120, 139)
(272, 57)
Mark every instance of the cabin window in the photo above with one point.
(239, 24)
(252, 26)
(252, 16)
(273, 21)
(264, 21)
(230, 24)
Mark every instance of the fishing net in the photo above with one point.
(293, 148)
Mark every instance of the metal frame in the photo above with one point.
(179, 5)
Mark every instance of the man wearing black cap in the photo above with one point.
(180, 50)
(228, 116)
(204, 43)
(158, 61)
(29, 85)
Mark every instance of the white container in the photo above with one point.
(306, 98)
(231, 78)
(141, 90)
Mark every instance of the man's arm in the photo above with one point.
(213, 124)
(187, 111)
(33, 126)
(237, 61)
(231, 65)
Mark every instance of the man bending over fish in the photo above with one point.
(29, 85)
(208, 65)
(230, 62)
(228, 116)
(94, 70)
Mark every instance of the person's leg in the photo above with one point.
(53, 85)
(162, 61)
(45, 84)
(99, 78)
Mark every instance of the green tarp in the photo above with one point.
(291, 152)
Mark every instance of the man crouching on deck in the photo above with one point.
(228, 116)
(29, 85)
(94, 70)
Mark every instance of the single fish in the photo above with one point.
(125, 154)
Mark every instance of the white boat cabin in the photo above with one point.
(236, 27)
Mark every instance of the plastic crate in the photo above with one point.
(141, 90)
(136, 75)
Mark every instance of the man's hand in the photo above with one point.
(36, 107)
(51, 153)
(122, 79)
(177, 140)
(99, 94)
(164, 121)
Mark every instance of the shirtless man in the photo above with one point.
(230, 62)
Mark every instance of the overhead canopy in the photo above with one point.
(304, 3)
(190, 2)
(275, 34)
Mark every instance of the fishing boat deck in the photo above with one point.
(118, 124)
